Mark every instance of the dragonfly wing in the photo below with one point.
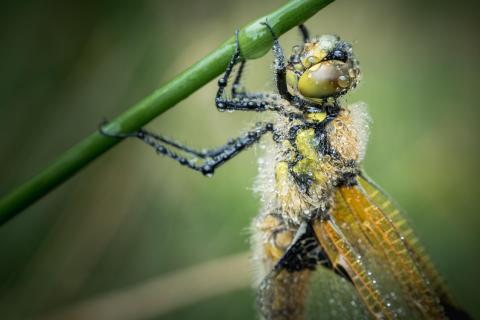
(281, 295)
(332, 297)
(305, 285)
(346, 258)
(365, 241)
(400, 226)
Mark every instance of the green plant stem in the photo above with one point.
(255, 41)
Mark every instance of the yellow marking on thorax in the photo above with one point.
(305, 144)
(316, 116)
(305, 147)
(311, 163)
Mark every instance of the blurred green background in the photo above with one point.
(132, 216)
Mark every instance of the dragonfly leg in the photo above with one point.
(211, 158)
(280, 67)
(240, 101)
(304, 32)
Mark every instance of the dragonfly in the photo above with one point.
(320, 215)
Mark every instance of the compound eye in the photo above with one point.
(338, 55)
(325, 79)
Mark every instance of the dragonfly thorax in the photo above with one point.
(311, 157)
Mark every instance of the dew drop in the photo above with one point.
(313, 60)
(296, 49)
(343, 81)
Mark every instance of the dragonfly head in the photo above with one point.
(323, 68)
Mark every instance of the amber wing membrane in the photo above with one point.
(398, 219)
(367, 238)
(380, 199)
